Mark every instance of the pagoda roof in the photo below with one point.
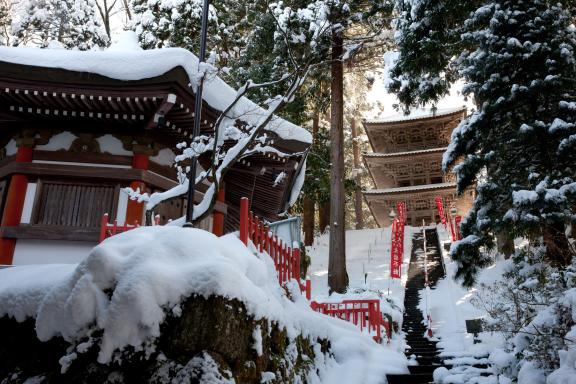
(410, 189)
(407, 153)
(420, 114)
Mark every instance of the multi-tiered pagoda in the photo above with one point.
(406, 166)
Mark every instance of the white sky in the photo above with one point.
(378, 94)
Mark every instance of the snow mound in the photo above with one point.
(129, 282)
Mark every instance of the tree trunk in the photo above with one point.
(308, 221)
(558, 250)
(337, 276)
(358, 177)
(323, 216)
(505, 245)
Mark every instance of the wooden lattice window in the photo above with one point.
(74, 204)
(420, 205)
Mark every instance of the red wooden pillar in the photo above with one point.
(218, 220)
(14, 205)
(135, 210)
(244, 220)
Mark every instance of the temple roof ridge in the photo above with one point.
(410, 188)
(404, 153)
(419, 114)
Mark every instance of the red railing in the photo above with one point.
(286, 259)
(108, 230)
(397, 248)
(365, 314)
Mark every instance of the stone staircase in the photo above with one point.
(425, 351)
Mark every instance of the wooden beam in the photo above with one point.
(165, 106)
(45, 232)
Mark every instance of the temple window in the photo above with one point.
(75, 204)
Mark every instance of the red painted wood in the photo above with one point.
(140, 161)
(14, 205)
(244, 220)
(365, 314)
(457, 221)
(218, 218)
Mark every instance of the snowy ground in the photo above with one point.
(449, 306)
(368, 266)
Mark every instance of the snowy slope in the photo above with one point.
(449, 306)
(367, 253)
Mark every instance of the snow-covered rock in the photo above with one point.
(134, 290)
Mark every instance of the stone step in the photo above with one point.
(416, 378)
(429, 353)
(423, 368)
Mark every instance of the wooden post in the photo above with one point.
(244, 220)
(103, 227)
(14, 205)
(357, 176)
(135, 210)
(218, 222)
(296, 264)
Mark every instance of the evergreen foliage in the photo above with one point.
(72, 23)
(517, 60)
(532, 307)
(5, 21)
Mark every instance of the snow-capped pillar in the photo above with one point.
(134, 209)
(218, 222)
(14, 203)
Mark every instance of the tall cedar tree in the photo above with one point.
(253, 40)
(517, 60)
(73, 23)
(351, 25)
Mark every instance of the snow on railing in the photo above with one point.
(108, 230)
(365, 314)
(286, 259)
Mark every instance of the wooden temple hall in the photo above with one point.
(70, 139)
(406, 166)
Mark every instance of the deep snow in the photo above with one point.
(150, 270)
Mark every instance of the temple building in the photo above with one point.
(76, 127)
(406, 166)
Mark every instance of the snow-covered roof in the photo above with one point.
(414, 188)
(430, 150)
(127, 61)
(416, 114)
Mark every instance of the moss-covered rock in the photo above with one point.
(202, 340)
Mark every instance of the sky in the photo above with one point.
(387, 100)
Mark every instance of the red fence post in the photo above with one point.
(103, 227)
(218, 217)
(457, 221)
(244, 220)
(296, 264)
(308, 289)
(452, 232)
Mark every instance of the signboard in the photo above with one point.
(397, 246)
(440, 207)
